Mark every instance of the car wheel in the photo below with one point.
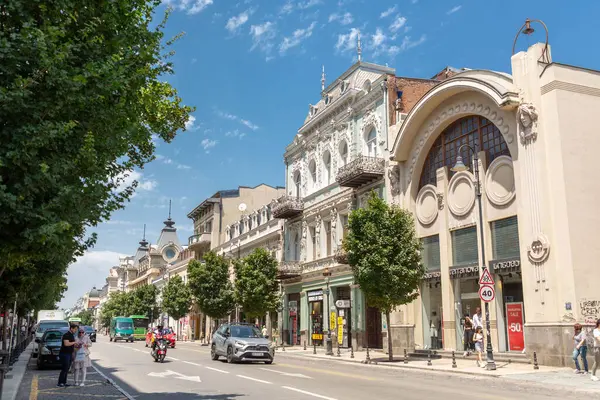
(110, 339)
(269, 362)
(213, 353)
(40, 366)
(229, 355)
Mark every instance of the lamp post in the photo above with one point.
(458, 167)
(328, 343)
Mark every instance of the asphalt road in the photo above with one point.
(189, 373)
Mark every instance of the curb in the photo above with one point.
(112, 382)
(17, 378)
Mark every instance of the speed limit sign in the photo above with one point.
(487, 293)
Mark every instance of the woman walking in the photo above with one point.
(580, 349)
(596, 351)
(82, 357)
(478, 340)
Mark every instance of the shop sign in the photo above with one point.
(342, 304)
(457, 272)
(514, 326)
(315, 295)
(332, 321)
(317, 336)
(433, 275)
(506, 264)
(340, 332)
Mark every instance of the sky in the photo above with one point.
(251, 68)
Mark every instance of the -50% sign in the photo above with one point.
(487, 293)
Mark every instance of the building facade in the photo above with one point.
(535, 143)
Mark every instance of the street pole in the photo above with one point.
(329, 344)
(491, 364)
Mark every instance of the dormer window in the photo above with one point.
(328, 99)
(313, 110)
(343, 86)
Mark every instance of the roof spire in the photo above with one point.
(144, 243)
(323, 79)
(169, 222)
(358, 48)
(169, 208)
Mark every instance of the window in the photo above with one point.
(431, 252)
(297, 183)
(208, 227)
(344, 220)
(473, 130)
(372, 143)
(250, 225)
(343, 153)
(312, 167)
(327, 168)
(241, 227)
(464, 246)
(258, 219)
(328, 237)
(296, 253)
(268, 213)
(505, 238)
(313, 239)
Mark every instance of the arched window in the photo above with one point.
(296, 254)
(343, 153)
(312, 168)
(327, 168)
(474, 130)
(372, 143)
(297, 183)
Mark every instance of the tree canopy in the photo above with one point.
(176, 298)
(87, 318)
(256, 286)
(210, 284)
(384, 253)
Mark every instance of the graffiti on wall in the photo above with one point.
(590, 310)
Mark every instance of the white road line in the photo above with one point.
(112, 382)
(254, 379)
(307, 393)
(218, 370)
(173, 358)
(193, 363)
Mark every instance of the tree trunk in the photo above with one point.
(269, 325)
(389, 336)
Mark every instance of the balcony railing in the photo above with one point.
(287, 207)
(360, 171)
(341, 257)
(199, 239)
(289, 269)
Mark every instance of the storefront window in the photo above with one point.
(464, 246)
(431, 252)
(505, 238)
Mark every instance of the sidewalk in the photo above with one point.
(13, 378)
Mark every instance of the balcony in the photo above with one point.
(288, 269)
(199, 241)
(341, 257)
(360, 171)
(287, 207)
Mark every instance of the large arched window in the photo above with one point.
(297, 183)
(474, 130)
(343, 153)
(296, 255)
(327, 168)
(312, 168)
(372, 143)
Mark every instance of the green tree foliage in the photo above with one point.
(143, 301)
(384, 253)
(256, 286)
(87, 318)
(210, 285)
(117, 305)
(82, 94)
(176, 297)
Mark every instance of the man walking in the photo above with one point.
(66, 355)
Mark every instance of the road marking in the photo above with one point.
(325, 371)
(192, 363)
(254, 379)
(308, 393)
(112, 382)
(177, 375)
(33, 394)
(218, 370)
(286, 373)
(173, 358)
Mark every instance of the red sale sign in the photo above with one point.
(514, 326)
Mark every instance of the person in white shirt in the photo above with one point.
(477, 318)
(596, 351)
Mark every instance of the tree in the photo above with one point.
(143, 301)
(82, 95)
(176, 298)
(384, 254)
(256, 286)
(118, 304)
(210, 285)
(87, 318)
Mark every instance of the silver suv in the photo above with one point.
(241, 342)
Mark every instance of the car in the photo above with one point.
(45, 325)
(49, 346)
(91, 332)
(241, 342)
(168, 334)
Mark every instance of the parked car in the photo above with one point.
(48, 347)
(168, 334)
(91, 332)
(241, 342)
(46, 325)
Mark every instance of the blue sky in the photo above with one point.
(252, 67)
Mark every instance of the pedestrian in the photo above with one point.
(65, 354)
(478, 340)
(477, 321)
(82, 357)
(580, 349)
(596, 351)
(468, 335)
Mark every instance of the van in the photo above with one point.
(121, 328)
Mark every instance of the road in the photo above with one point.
(189, 373)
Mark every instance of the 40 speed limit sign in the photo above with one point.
(487, 293)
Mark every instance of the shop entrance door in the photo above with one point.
(374, 338)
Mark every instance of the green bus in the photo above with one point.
(140, 326)
(76, 321)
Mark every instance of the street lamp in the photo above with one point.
(458, 167)
(329, 344)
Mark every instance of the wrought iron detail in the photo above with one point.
(360, 171)
(341, 257)
(200, 238)
(289, 269)
(287, 207)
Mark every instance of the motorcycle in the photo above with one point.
(159, 349)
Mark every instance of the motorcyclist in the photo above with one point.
(157, 332)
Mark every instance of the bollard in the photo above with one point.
(535, 362)
(429, 358)
(368, 358)
(314, 347)
(453, 360)
(305, 345)
(338, 354)
(282, 346)
(405, 357)
(351, 351)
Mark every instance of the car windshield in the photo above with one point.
(53, 337)
(124, 325)
(242, 331)
(44, 326)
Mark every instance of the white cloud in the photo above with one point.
(208, 144)
(263, 36)
(347, 42)
(398, 23)
(453, 10)
(388, 12)
(378, 38)
(232, 117)
(88, 271)
(227, 115)
(344, 19)
(127, 179)
(190, 123)
(407, 43)
(249, 124)
(235, 22)
(167, 161)
(118, 222)
(297, 37)
(290, 6)
(287, 8)
(198, 6)
(183, 166)
(303, 5)
(235, 133)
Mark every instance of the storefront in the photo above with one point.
(294, 337)
(315, 307)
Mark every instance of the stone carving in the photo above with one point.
(303, 241)
(318, 235)
(440, 199)
(527, 122)
(333, 215)
(539, 249)
(394, 176)
(371, 120)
